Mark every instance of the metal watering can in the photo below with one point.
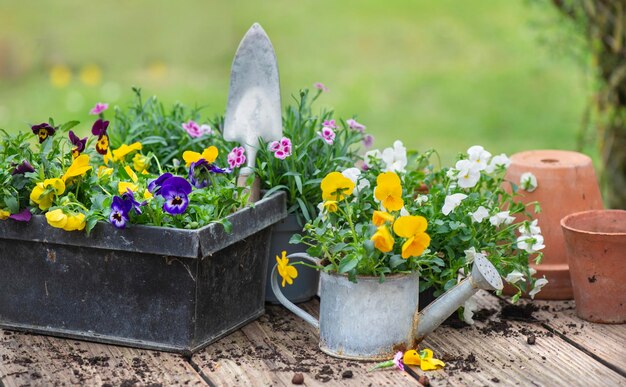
(369, 320)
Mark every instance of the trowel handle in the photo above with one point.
(283, 300)
(254, 188)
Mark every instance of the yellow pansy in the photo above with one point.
(104, 171)
(336, 186)
(56, 218)
(423, 358)
(389, 191)
(108, 156)
(380, 217)
(75, 222)
(288, 273)
(413, 228)
(4, 214)
(209, 154)
(140, 162)
(147, 195)
(122, 186)
(79, 167)
(131, 173)
(382, 239)
(122, 151)
(331, 205)
(44, 200)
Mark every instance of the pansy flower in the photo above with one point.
(121, 152)
(199, 172)
(382, 239)
(380, 217)
(79, 167)
(140, 162)
(389, 191)
(286, 271)
(124, 186)
(154, 186)
(209, 154)
(175, 191)
(22, 168)
(43, 131)
(135, 205)
(22, 216)
(423, 358)
(69, 222)
(99, 129)
(79, 144)
(43, 193)
(414, 229)
(336, 186)
(236, 157)
(120, 209)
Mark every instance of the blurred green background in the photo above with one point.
(443, 74)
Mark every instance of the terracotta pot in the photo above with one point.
(596, 248)
(566, 183)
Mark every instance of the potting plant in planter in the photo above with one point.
(314, 144)
(139, 234)
(392, 228)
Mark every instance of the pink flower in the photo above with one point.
(320, 86)
(282, 148)
(355, 125)
(368, 141)
(397, 360)
(99, 108)
(196, 130)
(330, 124)
(236, 157)
(327, 134)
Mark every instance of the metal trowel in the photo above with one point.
(253, 110)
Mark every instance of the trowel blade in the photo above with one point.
(253, 110)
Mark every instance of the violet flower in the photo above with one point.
(135, 205)
(352, 124)
(79, 144)
(99, 108)
(119, 211)
(236, 157)
(99, 127)
(327, 134)
(199, 173)
(155, 185)
(42, 131)
(368, 141)
(175, 190)
(22, 216)
(22, 168)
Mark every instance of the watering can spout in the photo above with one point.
(484, 276)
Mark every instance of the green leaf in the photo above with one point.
(298, 180)
(396, 260)
(11, 203)
(305, 211)
(347, 263)
(68, 125)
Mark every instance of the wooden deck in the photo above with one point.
(495, 351)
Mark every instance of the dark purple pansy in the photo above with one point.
(119, 211)
(23, 168)
(199, 173)
(22, 216)
(175, 190)
(155, 185)
(42, 131)
(135, 205)
(99, 127)
(79, 144)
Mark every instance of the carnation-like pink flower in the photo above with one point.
(368, 141)
(320, 86)
(330, 124)
(352, 124)
(282, 148)
(327, 134)
(274, 146)
(236, 157)
(194, 129)
(99, 108)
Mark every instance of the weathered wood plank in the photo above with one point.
(496, 352)
(272, 349)
(606, 341)
(46, 361)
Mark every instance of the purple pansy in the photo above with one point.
(199, 173)
(134, 204)
(99, 108)
(155, 185)
(22, 168)
(175, 190)
(352, 124)
(327, 134)
(79, 144)
(236, 157)
(22, 216)
(120, 209)
(99, 127)
(43, 131)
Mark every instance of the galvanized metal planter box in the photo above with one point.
(149, 287)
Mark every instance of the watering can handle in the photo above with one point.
(284, 301)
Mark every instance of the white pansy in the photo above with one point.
(451, 173)
(467, 175)
(479, 157)
(531, 229)
(471, 254)
(480, 214)
(395, 157)
(452, 202)
(469, 307)
(528, 181)
(353, 174)
(514, 277)
(421, 199)
(532, 271)
(500, 160)
(530, 243)
(322, 213)
(404, 212)
(540, 283)
(372, 156)
(500, 218)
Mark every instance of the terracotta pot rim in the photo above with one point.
(568, 218)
